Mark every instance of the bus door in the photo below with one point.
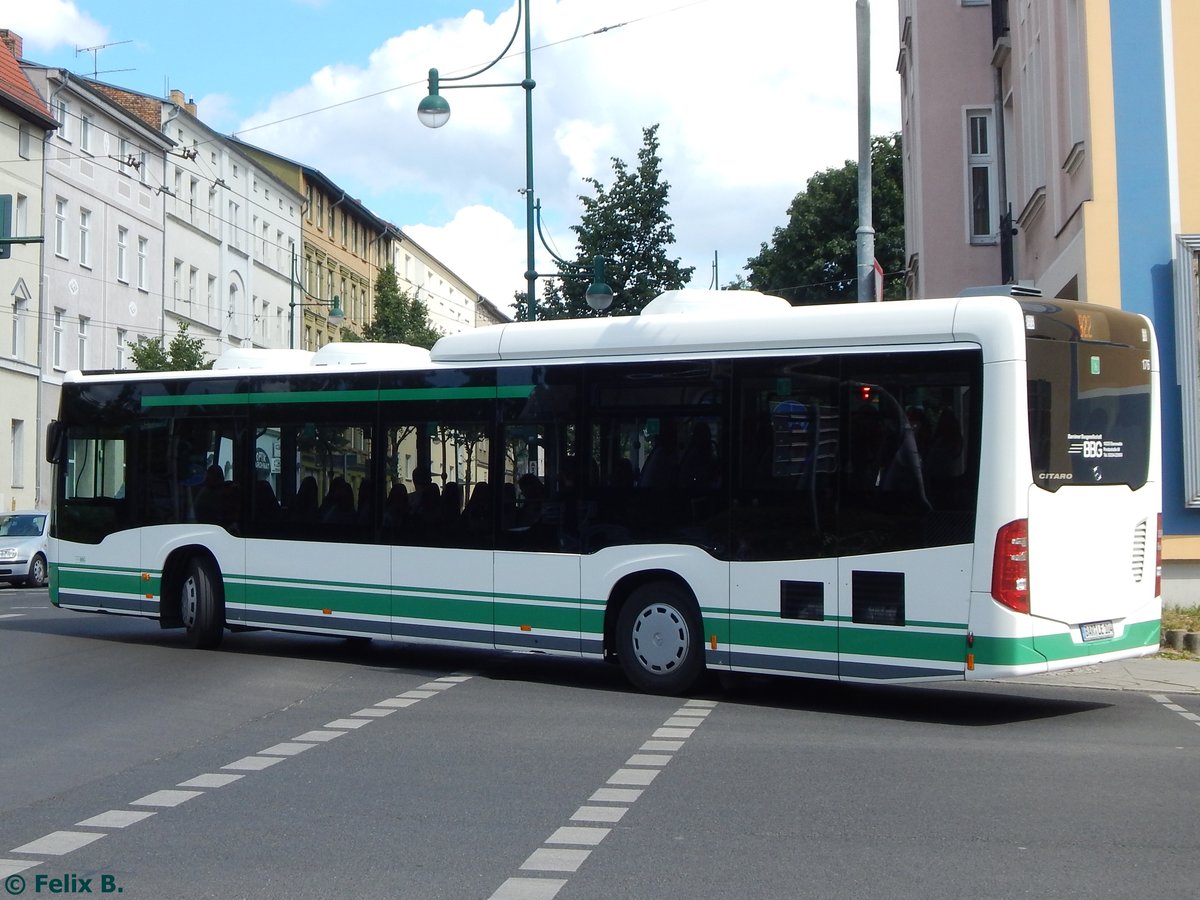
(539, 471)
(783, 574)
(905, 534)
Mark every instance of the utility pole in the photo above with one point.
(865, 233)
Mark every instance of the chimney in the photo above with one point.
(190, 106)
(177, 97)
(12, 41)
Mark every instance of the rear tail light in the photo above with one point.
(1010, 566)
(1158, 560)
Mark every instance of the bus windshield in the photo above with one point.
(1089, 399)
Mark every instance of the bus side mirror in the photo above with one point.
(55, 434)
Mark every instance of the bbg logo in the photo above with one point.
(1093, 449)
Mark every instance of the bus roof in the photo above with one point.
(677, 323)
(738, 321)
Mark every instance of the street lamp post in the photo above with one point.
(335, 314)
(434, 112)
(599, 296)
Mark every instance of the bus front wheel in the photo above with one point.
(201, 606)
(660, 643)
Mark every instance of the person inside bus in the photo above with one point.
(395, 510)
(338, 508)
(533, 495)
(304, 506)
(424, 501)
(209, 502)
(661, 467)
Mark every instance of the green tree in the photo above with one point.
(813, 259)
(399, 317)
(628, 225)
(184, 353)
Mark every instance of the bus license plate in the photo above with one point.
(1096, 631)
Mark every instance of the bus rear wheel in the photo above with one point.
(201, 606)
(660, 643)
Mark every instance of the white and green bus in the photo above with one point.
(942, 489)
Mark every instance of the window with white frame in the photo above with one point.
(21, 215)
(18, 453)
(143, 264)
(123, 154)
(20, 311)
(24, 140)
(143, 167)
(177, 280)
(123, 254)
(85, 237)
(62, 114)
(193, 283)
(122, 339)
(84, 321)
(60, 227)
(85, 133)
(56, 339)
(210, 296)
(981, 177)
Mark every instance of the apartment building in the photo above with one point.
(1047, 144)
(25, 124)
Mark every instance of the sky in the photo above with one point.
(752, 98)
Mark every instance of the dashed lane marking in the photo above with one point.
(1167, 703)
(59, 843)
(116, 818)
(563, 853)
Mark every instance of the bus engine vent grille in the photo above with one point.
(1139, 551)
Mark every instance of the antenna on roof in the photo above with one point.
(95, 51)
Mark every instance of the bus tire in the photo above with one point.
(660, 642)
(201, 605)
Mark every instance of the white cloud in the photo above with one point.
(481, 246)
(753, 97)
(49, 24)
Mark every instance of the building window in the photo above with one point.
(123, 254)
(20, 310)
(85, 133)
(981, 177)
(60, 227)
(21, 215)
(24, 140)
(62, 113)
(193, 282)
(211, 293)
(177, 279)
(85, 237)
(143, 167)
(83, 341)
(143, 263)
(18, 453)
(122, 338)
(234, 230)
(56, 340)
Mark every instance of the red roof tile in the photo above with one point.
(18, 91)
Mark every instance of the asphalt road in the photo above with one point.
(300, 767)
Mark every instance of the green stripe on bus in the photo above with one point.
(991, 651)
(272, 398)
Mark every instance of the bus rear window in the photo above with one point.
(1089, 413)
